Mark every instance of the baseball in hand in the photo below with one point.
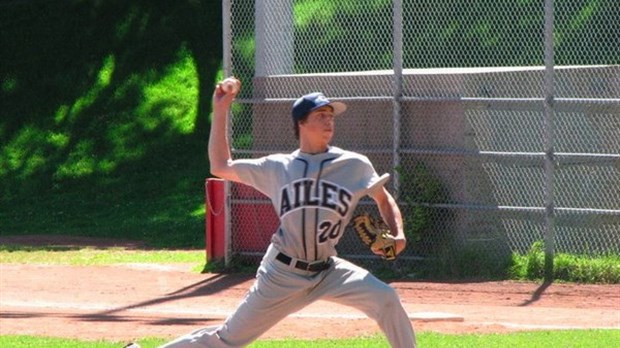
(231, 85)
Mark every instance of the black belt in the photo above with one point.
(302, 265)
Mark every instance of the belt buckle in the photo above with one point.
(312, 267)
(302, 265)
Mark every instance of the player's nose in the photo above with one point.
(329, 119)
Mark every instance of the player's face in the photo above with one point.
(320, 124)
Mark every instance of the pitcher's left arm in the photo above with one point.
(390, 212)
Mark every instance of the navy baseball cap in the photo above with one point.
(312, 101)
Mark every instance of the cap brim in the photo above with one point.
(338, 107)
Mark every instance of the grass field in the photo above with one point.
(92, 256)
(556, 339)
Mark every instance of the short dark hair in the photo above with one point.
(296, 125)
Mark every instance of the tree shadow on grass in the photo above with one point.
(89, 118)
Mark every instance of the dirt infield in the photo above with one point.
(138, 300)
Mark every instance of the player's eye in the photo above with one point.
(327, 116)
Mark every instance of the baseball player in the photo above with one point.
(314, 191)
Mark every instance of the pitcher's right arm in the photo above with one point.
(220, 160)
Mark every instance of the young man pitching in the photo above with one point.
(314, 191)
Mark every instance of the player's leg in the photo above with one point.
(271, 299)
(265, 305)
(354, 286)
(258, 312)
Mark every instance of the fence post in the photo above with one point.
(227, 37)
(397, 62)
(549, 133)
(274, 38)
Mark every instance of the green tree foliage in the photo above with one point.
(357, 35)
(107, 103)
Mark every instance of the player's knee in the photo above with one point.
(386, 304)
(389, 297)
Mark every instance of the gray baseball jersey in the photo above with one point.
(314, 196)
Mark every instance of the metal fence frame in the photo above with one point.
(549, 102)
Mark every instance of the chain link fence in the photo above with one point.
(498, 120)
